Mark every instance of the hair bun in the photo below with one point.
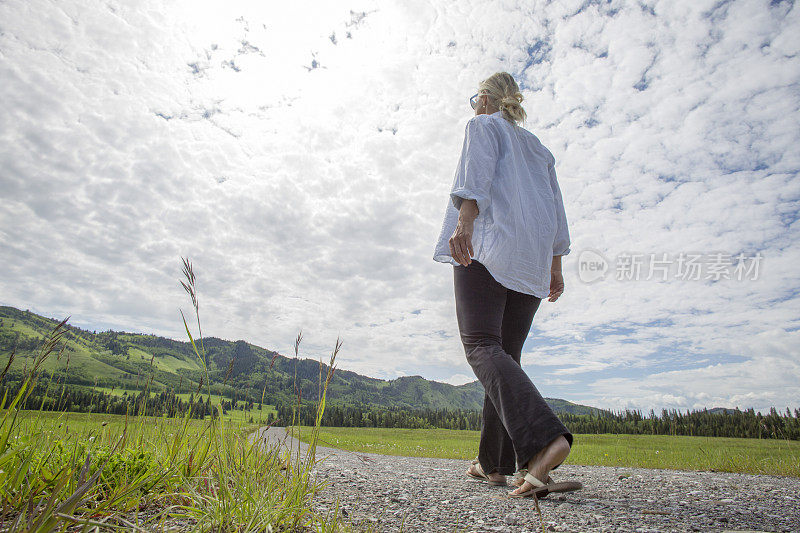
(504, 92)
(511, 100)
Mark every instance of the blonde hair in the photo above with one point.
(504, 94)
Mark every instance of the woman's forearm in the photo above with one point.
(468, 211)
(556, 267)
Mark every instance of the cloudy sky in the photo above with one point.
(301, 155)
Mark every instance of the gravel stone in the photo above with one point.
(393, 494)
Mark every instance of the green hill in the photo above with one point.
(239, 370)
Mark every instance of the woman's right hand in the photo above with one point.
(461, 242)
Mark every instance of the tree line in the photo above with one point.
(725, 423)
(359, 416)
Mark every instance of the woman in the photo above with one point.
(506, 204)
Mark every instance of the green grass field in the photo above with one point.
(164, 362)
(81, 362)
(86, 424)
(106, 427)
(751, 456)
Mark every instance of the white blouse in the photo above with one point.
(521, 223)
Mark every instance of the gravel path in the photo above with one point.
(391, 493)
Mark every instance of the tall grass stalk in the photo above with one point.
(235, 490)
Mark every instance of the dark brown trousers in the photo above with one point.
(494, 322)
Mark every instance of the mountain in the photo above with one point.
(239, 370)
(723, 410)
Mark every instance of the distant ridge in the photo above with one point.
(122, 361)
(725, 410)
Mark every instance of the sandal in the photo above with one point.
(543, 489)
(483, 477)
(521, 479)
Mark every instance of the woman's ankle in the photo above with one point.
(550, 456)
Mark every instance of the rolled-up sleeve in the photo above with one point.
(561, 242)
(476, 167)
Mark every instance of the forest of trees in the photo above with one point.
(723, 423)
(349, 416)
(726, 423)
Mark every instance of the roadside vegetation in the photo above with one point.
(80, 471)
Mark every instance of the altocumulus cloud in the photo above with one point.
(303, 163)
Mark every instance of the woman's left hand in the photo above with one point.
(556, 285)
